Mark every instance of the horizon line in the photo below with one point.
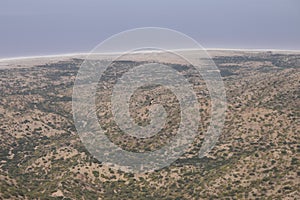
(146, 51)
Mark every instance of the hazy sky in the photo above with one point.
(40, 27)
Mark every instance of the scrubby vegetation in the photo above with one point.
(257, 155)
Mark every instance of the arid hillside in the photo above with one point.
(256, 156)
